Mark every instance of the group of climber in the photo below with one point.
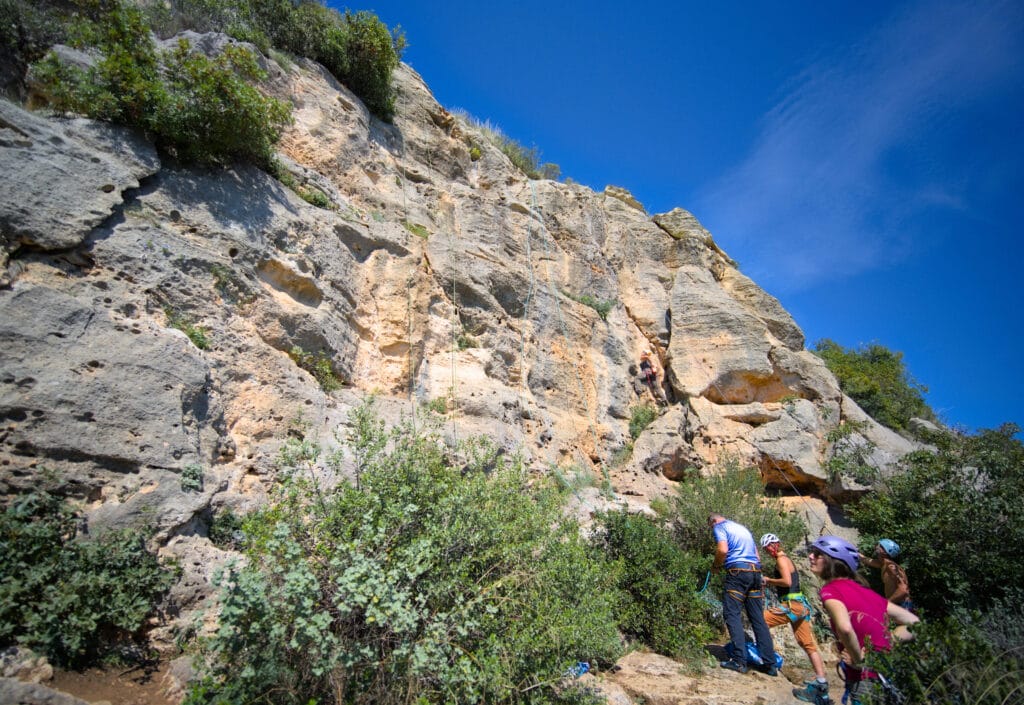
(858, 615)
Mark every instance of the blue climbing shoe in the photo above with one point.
(734, 665)
(813, 692)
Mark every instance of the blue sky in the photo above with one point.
(863, 162)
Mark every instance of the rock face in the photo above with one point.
(520, 307)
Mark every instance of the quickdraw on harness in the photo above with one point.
(788, 611)
(852, 675)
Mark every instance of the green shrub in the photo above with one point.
(602, 307)
(438, 405)
(877, 379)
(195, 333)
(640, 417)
(27, 31)
(659, 582)
(416, 229)
(225, 529)
(372, 56)
(963, 497)
(212, 113)
(959, 660)
(738, 494)
(849, 457)
(525, 159)
(356, 47)
(438, 580)
(192, 478)
(319, 365)
(72, 599)
(196, 109)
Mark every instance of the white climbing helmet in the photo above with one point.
(768, 539)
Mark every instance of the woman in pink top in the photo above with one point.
(859, 615)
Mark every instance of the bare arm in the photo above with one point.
(721, 549)
(843, 628)
(869, 561)
(785, 578)
(904, 619)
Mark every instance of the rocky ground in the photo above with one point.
(638, 678)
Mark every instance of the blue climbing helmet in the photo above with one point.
(890, 547)
(840, 549)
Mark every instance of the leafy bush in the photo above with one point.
(319, 365)
(226, 529)
(212, 113)
(357, 48)
(602, 307)
(195, 333)
(416, 229)
(849, 456)
(640, 417)
(441, 579)
(197, 109)
(72, 599)
(958, 660)
(737, 494)
(659, 582)
(877, 379)
(192, 478)
(372, 56)
(962, 497)
(27, 31)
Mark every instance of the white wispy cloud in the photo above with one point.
(817, 197)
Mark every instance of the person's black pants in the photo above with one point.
(743, 590)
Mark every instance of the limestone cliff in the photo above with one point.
(439, 274)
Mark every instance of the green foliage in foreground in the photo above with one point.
(658, 580)
(969, 659)
(441, 578)
(877, 379)
(72, 599)
(197, 109)
(957, 514)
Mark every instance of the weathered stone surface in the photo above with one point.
(518, 308)
(15, 692)
(83, 384)
(63, 178)
(18, 662)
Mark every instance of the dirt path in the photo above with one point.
(117, 686)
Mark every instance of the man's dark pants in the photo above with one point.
(743, 589)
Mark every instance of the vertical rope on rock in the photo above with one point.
(535, 212)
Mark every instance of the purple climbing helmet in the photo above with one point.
(840, 549)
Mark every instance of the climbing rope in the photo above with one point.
(408, 316)
(542, 228)
(452, 223)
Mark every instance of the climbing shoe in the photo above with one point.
(766, 669)
(813, 692)
(734, 665)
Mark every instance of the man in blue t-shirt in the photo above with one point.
(736, 551)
